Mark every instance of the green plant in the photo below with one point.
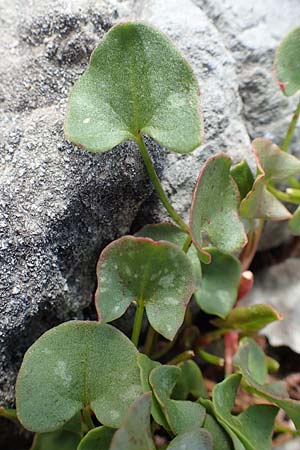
(85, 385)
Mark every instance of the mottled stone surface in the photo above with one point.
(291, 445)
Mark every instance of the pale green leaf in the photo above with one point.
(96, 439)
(294, 223)
(194, 439)
(287, 66)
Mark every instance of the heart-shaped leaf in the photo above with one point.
(287, 63)
(273, 165)
(274, 392)
(74, 365)
(244, 426)
(294, 223)
(98, 438)
(221, 439)
(135, 433)
(220, 282)
(168, 232)
(180, 415)
(157, 275)
(194, 439)
(248, 319)
(214, 208)
(137, 83)
(242, 175)
(61, 439)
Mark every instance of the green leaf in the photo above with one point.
(221, 439)
(294, 223)
(242, 175)
(273, 165)
(193, 379)
(194, 439)
(74, 365)
(61, 439)
(135, 433)
(220, 282)
(180, 415)
(98, 438)
(214, 208)
(156, 274)
(168, 232)
(248, 319)
(287, 63)
(137, 83)
(254, 426)
(274, 392)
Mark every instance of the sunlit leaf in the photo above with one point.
(157, 274)
(220, 282)
(137, 83)
(194, 439)
(287, 63)
(242, 175)
(168, 232)
(274, 392)
(221, 439)
(135, 433)
(77, 364)
(98, 438)
(214, 208)
(294, 223)
(61, 439)
(248, 319)
(180, 415)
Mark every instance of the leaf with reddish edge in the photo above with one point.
(273, 165)
(246, 360)
(294, 223)
(287, 63)
(214, 209)
(248, 319)
(157, 275)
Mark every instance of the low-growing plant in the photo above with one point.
(84, 385)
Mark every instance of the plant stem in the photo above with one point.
(149, 340)
(212, 359)
(282, 195)
(283, 429)
(158, 187)
(254, 236)
(189, 354)
(138, 320)
(166, 348)
(87, 418)
(291, 129)
(187, 244)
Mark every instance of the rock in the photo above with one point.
(279, 286)
(290, 445)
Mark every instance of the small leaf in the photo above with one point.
(157, 274)
(168, 232)
(221, 439)
(194, 439)
(214, 208)
(274, 392)
(74, 365)
(135, 433)
(98, 438)
(242, 175)
(220, 282)
(294, 223)
(180, 415)
(137, 83)
(61, 439)
(248, 319)
(193, 378)
(287, 63)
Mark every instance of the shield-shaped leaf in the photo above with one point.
(214, 208)
(287, 63)
(98, 438)
(74, 365)
(137, 83)
(194, 439)
(157, 275)
(220, 282)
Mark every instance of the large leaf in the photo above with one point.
(137, 83)
(248, 319)
(98, 438)
(246, 358)
(168, 232)
(156, 274)
(135, 433)
(287, 64)
(214, 208)
(74, 365)
(273, 165)
(180, 415)
(245, 425)
(220, 282)
(61, 439)
(294, 223)
(194, 439)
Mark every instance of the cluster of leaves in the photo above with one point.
(85, 385)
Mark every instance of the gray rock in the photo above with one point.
(291, 445)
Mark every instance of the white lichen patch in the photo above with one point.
(131, 393)
(61, 371)
(87, 120)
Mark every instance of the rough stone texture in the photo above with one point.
(279, 286)
(60, 205)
